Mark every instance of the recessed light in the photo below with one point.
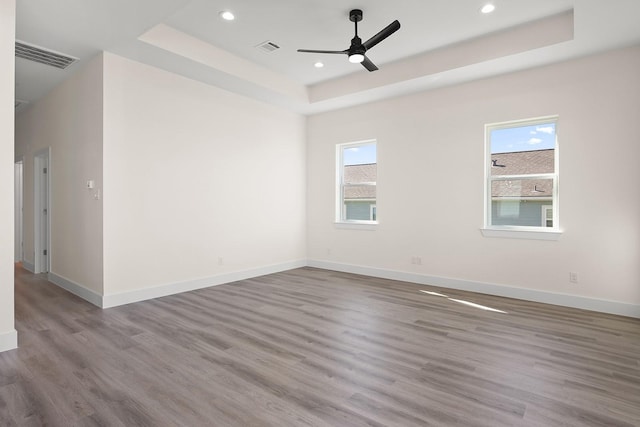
(227, 15)
(488, 8)
(318, 64)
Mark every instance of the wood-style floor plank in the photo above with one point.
(310, 347)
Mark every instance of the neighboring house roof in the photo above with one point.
(354, 174)
(523, 162)
(516, 163)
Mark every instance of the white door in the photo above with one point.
(18, 253)
(41, 214)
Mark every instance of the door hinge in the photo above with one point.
(44, 211)
(44, 252)
(44, 170)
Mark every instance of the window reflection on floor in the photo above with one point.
(467, 303)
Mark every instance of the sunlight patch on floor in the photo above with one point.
(467, 303)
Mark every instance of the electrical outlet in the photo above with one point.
(416, 260)
(573, 277)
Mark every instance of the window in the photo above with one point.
(357, 175)
(522, 175)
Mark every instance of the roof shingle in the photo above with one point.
(520, 163)
(354, 178)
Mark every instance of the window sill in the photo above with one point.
(521, 234)
(357, 225)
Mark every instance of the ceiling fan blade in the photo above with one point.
(368, 64)
(386, 32)
(322, 51)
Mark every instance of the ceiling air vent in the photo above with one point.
(43, 56)
(268, 46)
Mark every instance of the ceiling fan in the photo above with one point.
(358, 49)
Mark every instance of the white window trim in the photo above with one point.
(520, 232)
(532, 233)
(340, 222)
(357, 225)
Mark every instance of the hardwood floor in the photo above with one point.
(311, 347)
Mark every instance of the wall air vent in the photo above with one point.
(43, 56)
(268, 46)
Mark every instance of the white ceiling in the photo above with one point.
(440, 42)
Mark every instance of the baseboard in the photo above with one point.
(8, 340)
(76, 289)
(574, 301)
(114, 300)
(30, 267)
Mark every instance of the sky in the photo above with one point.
(360, 155)
(523, 138)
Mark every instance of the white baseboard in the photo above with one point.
(28, 266)
(574, 301)
(114, 300)
(76, 289)
(8, 340)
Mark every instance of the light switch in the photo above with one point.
(90, 184)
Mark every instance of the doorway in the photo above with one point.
(18, 252)
(42, 212)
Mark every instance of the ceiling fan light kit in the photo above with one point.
(357, 51)
(356, 58)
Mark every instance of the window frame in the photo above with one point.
(520, 231)
(340, 211)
